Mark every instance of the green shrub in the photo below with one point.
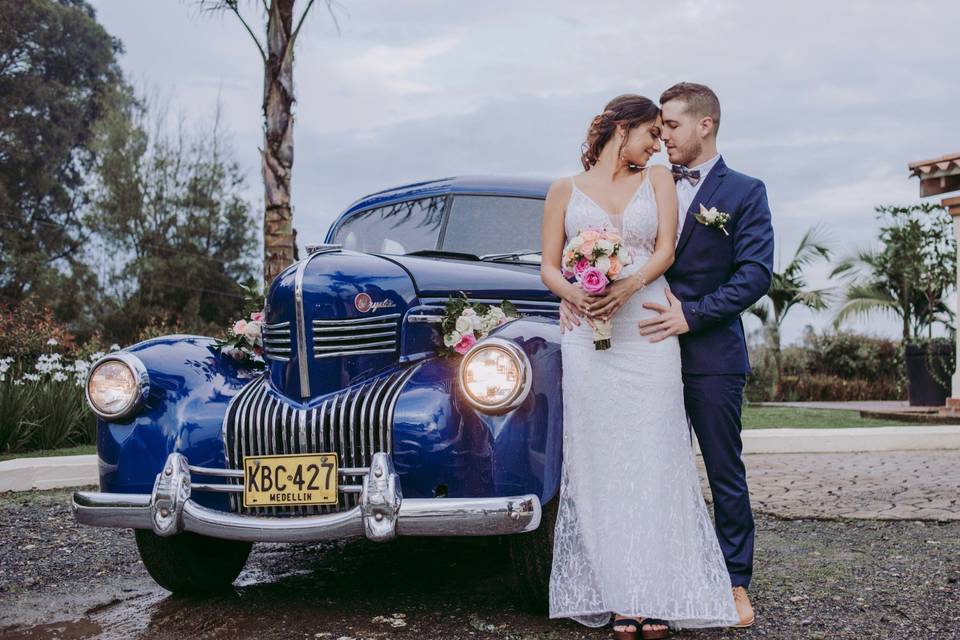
(830, 366)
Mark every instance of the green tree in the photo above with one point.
(175, 234)
(789, 288)
(58, 71)
(909, 275)
(281, 29)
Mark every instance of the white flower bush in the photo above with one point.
(42, 404)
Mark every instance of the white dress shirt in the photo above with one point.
(686, 192)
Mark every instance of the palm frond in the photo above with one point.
(815, 244)
(760, 310)
(865, 300)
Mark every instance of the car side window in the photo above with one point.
(484, 225)
(397, 228)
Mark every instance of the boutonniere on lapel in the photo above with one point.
(713, 218)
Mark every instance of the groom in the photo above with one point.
(721, 268)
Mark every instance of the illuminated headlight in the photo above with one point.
(117, 385)
(495, 375)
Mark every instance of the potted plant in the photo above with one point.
(908, 277)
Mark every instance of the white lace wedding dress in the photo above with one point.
(632, 536)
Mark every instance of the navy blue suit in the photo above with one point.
(717, 277)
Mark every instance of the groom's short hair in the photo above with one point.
(700, 99)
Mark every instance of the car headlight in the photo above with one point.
(117, 385)
(495, 375)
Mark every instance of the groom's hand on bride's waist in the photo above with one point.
(669, 322)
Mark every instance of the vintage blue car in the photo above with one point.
(355, 426)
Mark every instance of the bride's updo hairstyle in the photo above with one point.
(630, 110)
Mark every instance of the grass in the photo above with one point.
(66, 451)
(754, 417)
(758, 417)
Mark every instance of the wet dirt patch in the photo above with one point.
(813, 579)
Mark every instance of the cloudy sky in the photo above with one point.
(825, 101)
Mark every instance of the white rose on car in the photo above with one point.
(452, 338)
(464, 324)
(603, 263)
(252, 332)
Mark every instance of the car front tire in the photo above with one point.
(531, 555)
(191, 563)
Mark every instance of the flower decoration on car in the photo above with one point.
(244, 338)
(465, 322)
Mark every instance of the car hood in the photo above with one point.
(435, 277)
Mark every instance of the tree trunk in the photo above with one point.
(777, 358)
(279, 249)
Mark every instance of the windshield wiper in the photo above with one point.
(513, 255)
(439, 253)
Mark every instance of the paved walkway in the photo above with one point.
(889, 485)
(900, 406)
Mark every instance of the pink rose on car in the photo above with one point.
(239, 327)
(466, 341)
(593, 281)
(257, 316)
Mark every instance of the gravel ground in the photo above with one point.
(815, 579)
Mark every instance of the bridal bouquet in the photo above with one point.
(465, 322)
(595, 257)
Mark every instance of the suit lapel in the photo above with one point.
(710, 184)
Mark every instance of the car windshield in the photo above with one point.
(485, 225)
(478, 225)
(397, 228)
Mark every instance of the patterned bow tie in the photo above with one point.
(682, 173)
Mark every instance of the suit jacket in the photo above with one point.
(717, 277)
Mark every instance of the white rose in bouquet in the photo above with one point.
(603, 263)
(605, 246)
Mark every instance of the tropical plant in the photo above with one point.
(909, 275)
(276, 52)
(789, 288)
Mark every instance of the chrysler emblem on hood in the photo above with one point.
(364, 303)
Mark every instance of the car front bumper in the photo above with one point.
(382, 514)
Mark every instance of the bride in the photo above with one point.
(632, 537)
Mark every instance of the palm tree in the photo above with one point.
(276, 51)
(788, 288)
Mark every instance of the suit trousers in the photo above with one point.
(714, 403)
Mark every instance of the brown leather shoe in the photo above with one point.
(744, 608)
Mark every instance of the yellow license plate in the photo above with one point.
(271, 481)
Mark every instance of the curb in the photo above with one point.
(26, 474)
(53, 472)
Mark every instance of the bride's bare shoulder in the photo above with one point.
(560, 190)
(661, 177)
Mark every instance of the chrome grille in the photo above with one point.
(355, 423)
(524, 307)
(276, 341)
(376, 334)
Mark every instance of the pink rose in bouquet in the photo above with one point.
(593, 281)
